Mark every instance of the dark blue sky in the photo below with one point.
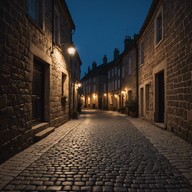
(101, 26)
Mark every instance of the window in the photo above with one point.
(118, 86)
(159, 27)
(112, 86)
(115, 70)
(104, 87)
(56, 27)
(115, 84)
(129, 66)
(36, 11)
(141, 53)
(112, 72)
(108, 74)
(94, 88)
(119, 72)
(109, 86)
(147, 96)
(123, 72)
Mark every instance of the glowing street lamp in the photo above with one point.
(71, 50)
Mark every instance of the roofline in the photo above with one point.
(148, 17)
(68, 15)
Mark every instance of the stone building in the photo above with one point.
(129, 71)
(113, 82)
(35, 71)
(94, 86)
(165, 66)
(108, 85)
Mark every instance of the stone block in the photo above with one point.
(189, 138)
(3, 101)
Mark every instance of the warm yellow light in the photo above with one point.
(79, 84)
(71, 50)
(94, 96)
(105, 94)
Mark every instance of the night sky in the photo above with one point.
(101, 26)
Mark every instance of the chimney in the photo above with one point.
(94, 65)
(105, 59)
(88, 69)
(128, 42)
(116, 53)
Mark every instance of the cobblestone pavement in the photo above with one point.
(103, 152)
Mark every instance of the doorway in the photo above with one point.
(38, 92)
(159, 97)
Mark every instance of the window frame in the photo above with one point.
(141, 53)
(158, 40)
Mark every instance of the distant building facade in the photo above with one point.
(35, 70)
(94, 87)
(104, 85)
(128, 79)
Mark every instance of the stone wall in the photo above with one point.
(129, 83)
(21, 42)
(179, 67)
(173, 56)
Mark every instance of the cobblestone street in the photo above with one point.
(101, 151)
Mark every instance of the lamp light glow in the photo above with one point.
(71, 50)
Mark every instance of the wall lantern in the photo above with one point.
(79, 84)
(105, 94)
(71, 50)
(123, 93)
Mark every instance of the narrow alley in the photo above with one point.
(101, 151)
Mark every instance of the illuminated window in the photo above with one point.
(36, 11)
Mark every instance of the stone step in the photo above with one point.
(40, 127)
(44, 133)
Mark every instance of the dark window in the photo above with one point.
(159, 28)
(36, 11)
(141, 53)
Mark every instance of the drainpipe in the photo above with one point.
(137, 79)
(53, 23)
